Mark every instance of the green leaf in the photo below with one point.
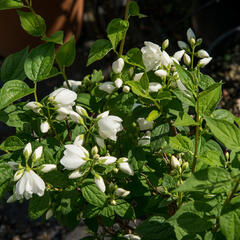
(38, 206)
(12, 143)
(211, 158)
(134, 10)
(6, 174)
(164, 94)
(138, 90)
(98, 50)
(12, 91)
(185, 99)
(225, 132)
(116, 30)
(39, 62)
(230, 219)
(154, 227)
(66, 53)
(92, 194)
(183, 119)
(9, 4)
(32, 24)
(158, 135)
(205, 81)
(181, 143)
(124, 209)
(185, 77)
(224, 115)
(56, 37)
(214, 179)
(134, 57)
(144, 81)
(209, 98)
(153, 115)
(13, 66)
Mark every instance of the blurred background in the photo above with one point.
(216, 21)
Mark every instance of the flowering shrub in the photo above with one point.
(148, 144)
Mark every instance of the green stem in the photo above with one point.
(124, 38)
(62, 71)
(229, 198)
(35, 91)
(192, 57)
(196, 136)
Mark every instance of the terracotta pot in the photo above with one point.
(63, 15)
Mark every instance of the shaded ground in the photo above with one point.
(167, 20)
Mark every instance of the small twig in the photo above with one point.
(150, 184)
(165, 158)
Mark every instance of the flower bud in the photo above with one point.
(118, 83)
(118, 65)
(227, 156)
(165, 44)
(107, 87)
(190, 35)
(18, 175)
(182, 45)
(48, 167)
(120, 192)
(75, 174)
(131, 71)
(79, 140)
(126, 89)
(204, 61)
(186, 59)
(113, 202)
(179, 54)
(76, 117)
(82, 111)
(44, 127)
(34, 106)
(202, 53)
(125, 167)
(138, 76)
(174, 162)
(94, 150)
(115, 170)
(185, 166)
(154, 87)
(192, 41)
(49, 214)
(37, 153)
(99, 182)
(161, 73)
(144, 124)
(100, 142)
(108, 160)
(27, 151)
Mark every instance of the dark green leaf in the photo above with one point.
(9, 4)
(13, 66)
(205, 81)
(66, 53)
(39, 62)
(134, 57)
(12, 143)
(12, 91)
(181, 143)
(183, 119)
(56, 37)
(98, 50)
(224, 115)
(124, 209)
(116, 30)
(32, 23)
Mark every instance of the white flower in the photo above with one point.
(100, 142)
(48, 167)
(100, 183)
(44, 127)
(174, 162)
(11, 199)
(94, 150)
(108, 160)
(182, 45)
(138, 76)
(118, 65)
(76, 117)
(120, 192)
(203, 62)
(126, 89)
(154, 86)
(151, 56)
(190, 35)
(73, 84)
(179, 54)
(165, 59)
(125, 167)
(202, 53)
(132, 237)
(186, 59)
(107, 87)
(79, 140)
(27, 151)
(144, 124)
(82, 111)
(28, 184)
(144, 140)
(161, 73)
(18, 175)
(118, 83)
(63, 96)
(34, 106)
(109, 125)
(75, 174)
(165, 44)
(37, 153)
(74, 157)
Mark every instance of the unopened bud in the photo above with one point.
(44, 127)
(227, 155)
(18, 175)
(174, 162)
(203, 62)
(48, 167)
(120, 192)
(161, 73)
(126, 89)
(118, 65)
(113, 202)
(37, 153)
(94, 150)
(82, 111)
(185, 166)
(186, 59)
(49, 214)
(192, 41)
(190, 35)
(115, 170)
(118, 82)
(165, 44)
(27, 151)
(182, 45)
(202, 53)
(179, 54)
